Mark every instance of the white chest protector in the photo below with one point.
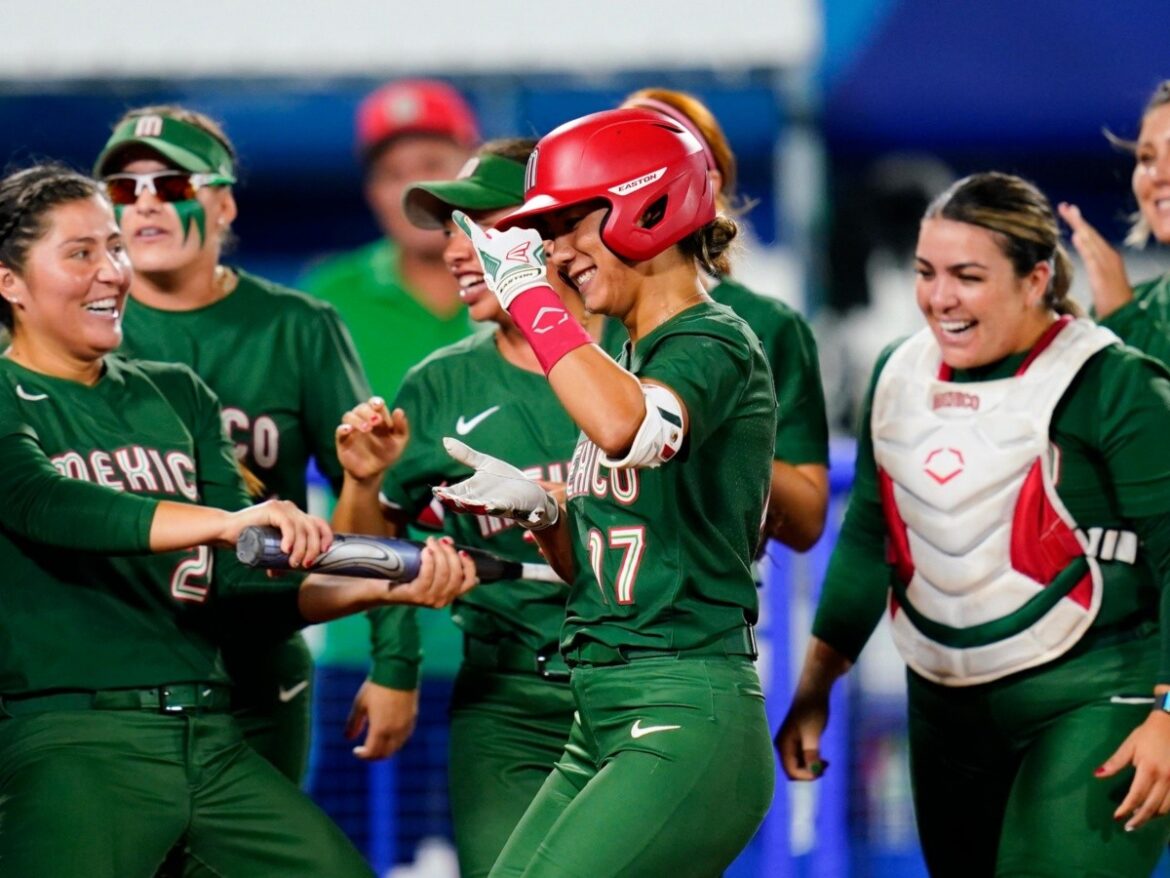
(977, 531)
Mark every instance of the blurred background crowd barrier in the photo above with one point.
(847, 116)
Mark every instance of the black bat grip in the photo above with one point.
(491, 568)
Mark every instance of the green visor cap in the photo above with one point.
(188, 146)
(486, 182)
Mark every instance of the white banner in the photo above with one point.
(53, 39)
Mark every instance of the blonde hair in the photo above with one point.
(703, 120)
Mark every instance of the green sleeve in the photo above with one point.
(336, 384)
(1154, 533)
(1143, 322)
(853, 595)
(708, 373)
(395, 647)
(395, 637)
(40, 504)
(1132, 400)
(802, 431)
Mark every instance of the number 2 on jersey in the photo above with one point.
(632, 543)
(191, 579)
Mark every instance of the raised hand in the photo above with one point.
(1103, 265)
(513, 261)
(371, 439)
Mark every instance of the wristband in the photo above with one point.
(1162, 702)
(547, 325)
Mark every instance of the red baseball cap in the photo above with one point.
(414, 106)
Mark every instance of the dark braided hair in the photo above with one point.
(26, 197)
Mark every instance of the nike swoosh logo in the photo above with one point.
(637, 730)
(287, 695)
(463, 427)
(31, 397)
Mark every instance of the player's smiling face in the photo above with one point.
(68, 300)
(1151, 172)
(155, 237)
(976, 306)
(461, 260)
(579, 256)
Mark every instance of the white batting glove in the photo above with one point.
(513, 261)
(497, 488)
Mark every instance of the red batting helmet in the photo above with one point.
(649, 169)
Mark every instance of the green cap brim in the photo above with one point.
(187, 146)
(493, 183)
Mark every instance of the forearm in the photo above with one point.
(556, 544)
(359, 509)
(823, 666)
(797, 504)
(181, 525)
(323, 598)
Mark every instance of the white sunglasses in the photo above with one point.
(165, 185)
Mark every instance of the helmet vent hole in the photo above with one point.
(653, 214)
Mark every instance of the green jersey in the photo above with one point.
(83, 605)
(282, 364)
(664, 554)
(802, 430)
(392, 328)
(470, 391)
(1114, 473)
(1145, 322)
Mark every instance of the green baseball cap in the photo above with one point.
(486, 182)
(187, 145)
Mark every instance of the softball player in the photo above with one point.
(1139, 315)
(281, 363)
(799, 497)
(408, 130)
(116, 744)
(665, 499)
(1010, 459)
(511, 709)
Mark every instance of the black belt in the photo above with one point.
(173, 698)
(739, 642)
(508, 655)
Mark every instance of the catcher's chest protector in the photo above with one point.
(977, 531)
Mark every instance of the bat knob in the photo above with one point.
(255, 545)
